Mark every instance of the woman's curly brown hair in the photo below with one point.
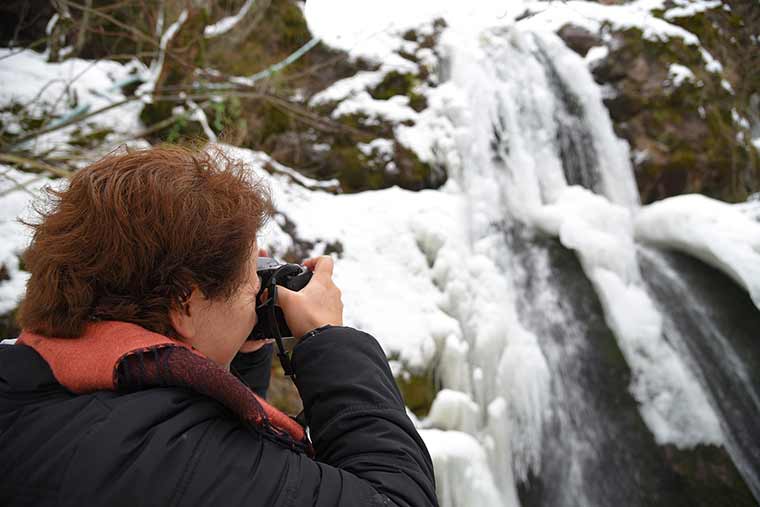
(134, 233)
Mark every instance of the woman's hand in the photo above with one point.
(316, 305)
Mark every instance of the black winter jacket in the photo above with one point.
(174, 447)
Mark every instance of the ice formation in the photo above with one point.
(713, 231)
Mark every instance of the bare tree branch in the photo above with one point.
(36, 164)
(71, 121)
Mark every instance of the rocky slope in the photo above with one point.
(688, 107)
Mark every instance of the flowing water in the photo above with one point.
(600, 378)
(716, 327)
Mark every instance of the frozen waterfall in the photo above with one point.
(567, 376)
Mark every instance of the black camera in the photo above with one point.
(271, 321)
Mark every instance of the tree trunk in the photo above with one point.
(58, 33)
(84, 25)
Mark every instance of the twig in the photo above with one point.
(20, 186)
(315, 120)
(113, 20)
(16, 159)
(67, 87)
(138, 33)
(42, 90)
(75, 119)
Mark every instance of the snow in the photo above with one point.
(596, 54)
(384, 147)
(688, 9)
(454, 411)
(718, 233)
(57, 89)
(429, 133)
(353, 25)
(433, 135)
(739, 120)
(156, 65)
(26, 78)
(347, 87)
(591, 16)
(383, 270)
(678, 74)
(200, 116)
(51, 24)
(395, 109)
(462, 473)
(711, 64)
(226, 24)
(750, 208)
(259, 159)
(17, 190)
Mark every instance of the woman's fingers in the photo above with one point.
(316, 305)
(322, 265)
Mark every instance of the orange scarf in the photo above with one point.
(126, 357)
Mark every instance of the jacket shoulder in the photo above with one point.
(102, 448)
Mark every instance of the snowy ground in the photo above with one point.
(64, 90)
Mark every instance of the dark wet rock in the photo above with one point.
(713, 326)
(578, 38)
(597, 450)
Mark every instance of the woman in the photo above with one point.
(118, 392)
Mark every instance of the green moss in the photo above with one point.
(701, 26)
(267, 121)
(224, 113)
(353, 169)
(395, 83)
(181, 130)
(418, 102)
(414, 174)
(688, 131)
(357, 171)
(155, 112)
(418, 390)
(290, 137)
(282, 392)
(21, 263)
(282, 30)
(410, 35)
(26, 121)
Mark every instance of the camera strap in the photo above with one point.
(274, 328)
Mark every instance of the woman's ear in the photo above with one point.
(183, 317)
